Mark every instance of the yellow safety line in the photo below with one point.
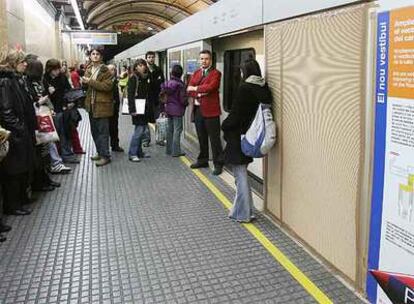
(294, 271)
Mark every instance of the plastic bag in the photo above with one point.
(161, 125)
(46, 132)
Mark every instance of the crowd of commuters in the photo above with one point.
(27, 85)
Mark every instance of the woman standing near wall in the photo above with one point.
(17, 116)
(252, 91)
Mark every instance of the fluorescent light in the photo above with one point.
(150, 28)
(77, 13)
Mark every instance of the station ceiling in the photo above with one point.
(140, 17)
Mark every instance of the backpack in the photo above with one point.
(261, 135)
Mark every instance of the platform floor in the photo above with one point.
(148, 232)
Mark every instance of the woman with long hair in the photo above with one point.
(253, 90)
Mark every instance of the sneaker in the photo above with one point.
(60, 169)
(96, 157)
(102, 162)
(134, 159)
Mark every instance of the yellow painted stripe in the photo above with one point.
(283, 260)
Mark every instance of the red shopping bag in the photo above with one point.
(46, 130)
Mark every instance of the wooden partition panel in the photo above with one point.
(316, 72)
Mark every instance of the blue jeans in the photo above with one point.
(135, 146)
(242, 209)
(146, 136)
(55, 158)
(100, 135)
(64, 139)
(175, 128)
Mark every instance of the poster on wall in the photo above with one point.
(391, 247)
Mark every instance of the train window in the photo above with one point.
(232, 61)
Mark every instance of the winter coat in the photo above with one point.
(17, 115)
(243, 111)
(141, 92)
(156, 79)
(207, 92)
(98, 99)
(61, 85)
(176, 97)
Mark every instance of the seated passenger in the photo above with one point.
(252, 91)
(175, 104)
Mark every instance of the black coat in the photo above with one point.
(17, 115)
(242, 113)
(61, 85)
(156, 79)
(141, 93)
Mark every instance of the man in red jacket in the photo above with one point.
(204, 88)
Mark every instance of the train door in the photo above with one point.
(232, 62)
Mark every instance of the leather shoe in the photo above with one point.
(4, 228)
(199, 165)
(117, 149)
(20, 212)
(54, 184)
(45, 188)
(2, 238)
(218, 170)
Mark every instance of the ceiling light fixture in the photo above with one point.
(77, 13)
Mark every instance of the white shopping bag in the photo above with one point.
(139, 106)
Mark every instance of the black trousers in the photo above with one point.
(113, 127)
(208, 128)
(14, 189)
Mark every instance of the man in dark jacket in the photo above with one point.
(204, 89)
(156, 77)
(113, 121)
(56, 84)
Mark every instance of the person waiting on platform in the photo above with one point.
(156, 79)
(113, 122)
(99, 104)
(204, 89)
(123, 79)
(56, 84)
(138, 87)
(17, 116)
(175, 104)
(252, 91)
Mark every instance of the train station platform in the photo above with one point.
(153, 232)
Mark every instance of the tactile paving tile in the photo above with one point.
(146, 232)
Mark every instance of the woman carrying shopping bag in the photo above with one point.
(175, 104)
(252, 91)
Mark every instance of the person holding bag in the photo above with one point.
(138, 87)
(99, 104)
(252, 91)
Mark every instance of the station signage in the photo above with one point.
(94, 38)
(391, 244)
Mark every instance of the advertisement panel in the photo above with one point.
(391, 256)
